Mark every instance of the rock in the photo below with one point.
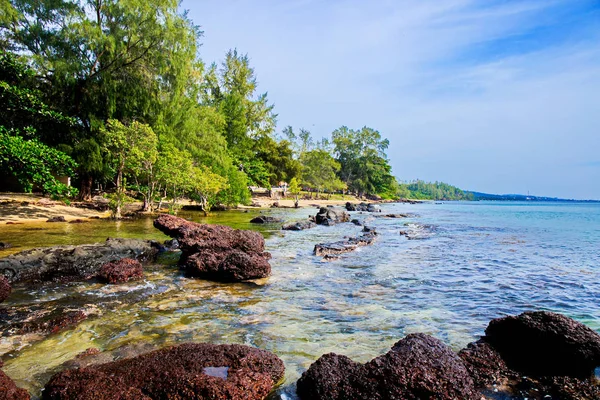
(10, 391)
(5, 288)
(255, 204)
(264, 219)
(78, 221)
(373, 208)
(188, 371)
(397, 216)
(14, 223)
(363, 207)
(72, 263)
(368, 229)
(485, 365)
(38, 319)
(5, 245)
(299, 225)
(417, 367)
(545, 344)
(331, 216)
(123, 270)
(275, 205)
(344, 246)
(217, 252)
(356, 222)
(56, 219)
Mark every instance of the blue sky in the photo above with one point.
(493, 96)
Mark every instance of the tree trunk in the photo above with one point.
(85, 188)
(119, 194)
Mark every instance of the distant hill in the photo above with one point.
(520, 197)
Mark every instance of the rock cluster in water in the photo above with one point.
(345, 246)
(536, 355)
(298, 225)
(72, 263)
(331, 216)
(217, 252)
(187, 371)
(123, 270)
(365, 207)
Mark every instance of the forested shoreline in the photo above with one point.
(115, 95)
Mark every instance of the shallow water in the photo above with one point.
(468, 263)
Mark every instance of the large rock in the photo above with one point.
(188, 371)
(5, 288)
(418, 367)
(331, 216)
(345, 246)
(217, 252)
(72, 263)
(365, 207)
(545, 344)
(10, 391)
(123, 270)
(299, 225)
(265, 219)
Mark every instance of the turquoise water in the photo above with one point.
(469, 263)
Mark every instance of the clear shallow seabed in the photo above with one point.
(472, 262)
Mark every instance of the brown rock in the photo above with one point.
(10, 391)
(5, 288)
(57, 219)
(418, 367)
(124, 270)
(188, 371)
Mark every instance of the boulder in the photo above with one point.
(299, 225)
(10, 391)
(56, 219)
(545, 344)
(264, 219)
(331, 216)
(417, 367)
(72, 263)
(123, 270)
(356, 222)
(187, 371)
(217, 252)
(344, 246)
(5, 288)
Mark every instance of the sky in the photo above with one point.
(497, 96)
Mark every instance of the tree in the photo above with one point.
(205, 185)
(294, 189)
(174, 169)
(320, 170)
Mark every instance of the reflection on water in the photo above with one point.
(483, 261)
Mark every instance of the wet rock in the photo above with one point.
(417, 367)
(72, 263)
(368, 229)
(78, 221)
(545, 344)
(485, 365)
(331, 216)
(188, 371)
(5, 288)
(373, 208)
(299, 225)
(275, 205)
(344, 246)
(264, 219)
(5, 245)
(52, 322)
(356, 222)
(396, 215)
(217, 252)
(364, 207)
(56, 219)
(123, 270)
(10, 391)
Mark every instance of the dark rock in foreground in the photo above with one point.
(5, 288)
(331, 216)
(188, 371)
(417, 367)
(264, 219)
(217, 252)
(10, 391)
(545, 344)
(345, 246)
(72, 263)
(299, 226)
(123, 270)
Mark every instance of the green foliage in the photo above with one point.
(432, 191)
(320, 171)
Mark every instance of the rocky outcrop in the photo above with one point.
(5, 288)
(123, 270)
(188, 371)
(299, 225)
(265, 219)
(217, 252)
(364, 207)
(417, 367)
(345, 246)
(72, 263)
(10, 391)
(331, 216)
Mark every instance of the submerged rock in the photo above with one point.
(10, 391)
(417, 367)
(72, 263)
(264, 219)
(188, 371)
(123, 270)
(331, 216)
(5, 288)
(345, 246)
(299, 225)
(217, 252)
